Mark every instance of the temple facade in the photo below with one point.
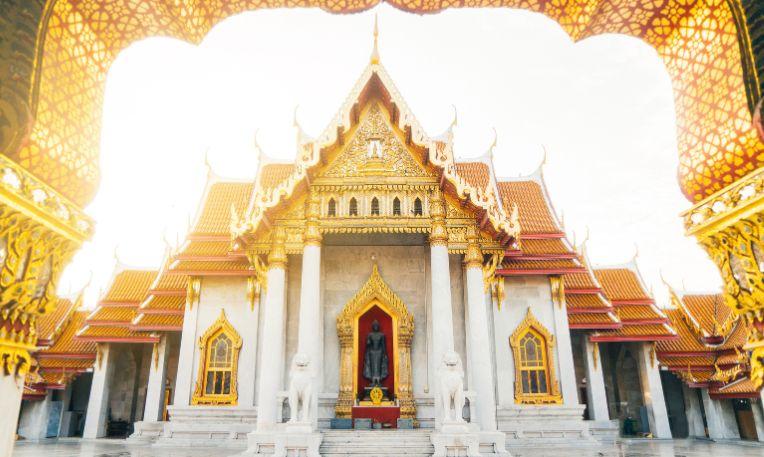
(378, 282)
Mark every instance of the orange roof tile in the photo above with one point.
(111, 314)
(68, 364)
(637, 313)
(682, 362)
(541, 265)
(547, 246)
(687, 341)
(591, 319)
(708, 310)
(110, 334)
(582, 280)
(648, 332)
(621, 284)
(66, 344)
(533, 210)
(169, 281)
(164, 302)
(586, 301)
(741, 386)
(207, 249)
(130, 286)
(477, 174)
(193, 266)
(50, 322)
(273, 174)
(159, 322)
(215, 217)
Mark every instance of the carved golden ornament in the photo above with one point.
(312, 235)
(207, 364)
(193, 291)
(493, 283)
(439, 234)
(557, 284)
(595, 354)
(375, 292)
(473, 258)
(725, 376)
(376, 396)
(155, 355)
(277, 257)
(552, 394)
(652, 355)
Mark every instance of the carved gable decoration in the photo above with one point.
(374, 150)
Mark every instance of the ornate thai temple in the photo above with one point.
(376, 281)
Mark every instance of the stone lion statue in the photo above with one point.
(452, 387)
(300, 389)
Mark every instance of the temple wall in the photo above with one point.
(229, 293)
(521, 293)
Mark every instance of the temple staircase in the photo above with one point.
(376, 443)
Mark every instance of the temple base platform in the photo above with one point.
(293, 439)
(530, 425)
(218, 425)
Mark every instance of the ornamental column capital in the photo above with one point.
(312, 234)
(277, 258)
(438, 235)
(473, 258)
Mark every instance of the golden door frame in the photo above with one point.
(375, 292)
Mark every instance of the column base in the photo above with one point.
(297, 439)
(455, 441)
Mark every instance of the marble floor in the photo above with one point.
(632, 448)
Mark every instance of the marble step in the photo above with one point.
(376, 443)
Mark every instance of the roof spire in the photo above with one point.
(375, 52)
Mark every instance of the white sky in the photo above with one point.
(602, 107)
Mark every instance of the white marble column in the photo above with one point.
(156, 383)
(33, 423)
(595, 382)
(11, 389)
(720, 418)
(272, 355)
(758, 419)
(310, 335)
(478, 335)
(693, 413)
(652, 391)
(184, 379)
(98, 404)
(567, 372)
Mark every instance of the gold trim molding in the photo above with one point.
(199, 397)
(553, 396)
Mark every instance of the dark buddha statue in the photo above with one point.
(375, 357)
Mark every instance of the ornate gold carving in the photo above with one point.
(595, 354)
(155, 355)
(193, 291)
(312, 212)
(557, 285)
(474, 256)
(375, 292)
(200, 396)
(277, 258)
(493, 283)
(552, 394)
(355, 160)
(438, 235)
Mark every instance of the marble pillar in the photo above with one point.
(272, 355)
(720, 418)
(184, 380)
(595, 382)
(652, 391)
(758, 419)
(442, 317)
(33, 423)
(478, 334)
(693, 413)
(156, 383)
(98, 404)
(566, 372)
(11, 389)
(310, 325)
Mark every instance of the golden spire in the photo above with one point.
(375, 51)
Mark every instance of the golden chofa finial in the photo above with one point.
(375, 51)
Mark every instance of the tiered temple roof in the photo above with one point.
(112, 320)
(61, 357)
(709, 351)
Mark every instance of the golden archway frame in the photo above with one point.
(553, 395)
(221, 325)
(375, 292)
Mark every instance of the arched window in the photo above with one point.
(374, 206)
(331, 210)
(219, 355)
(396, 206)
(417, 207)
(353, 207)
(534, 368)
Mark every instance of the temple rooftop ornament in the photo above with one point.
(375, 51)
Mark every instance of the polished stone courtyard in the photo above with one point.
(630, 448)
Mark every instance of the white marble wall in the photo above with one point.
(521, 293)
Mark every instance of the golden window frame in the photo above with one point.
(552, 395)
(200, 397)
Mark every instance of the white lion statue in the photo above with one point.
(300, 389)
(452, 387)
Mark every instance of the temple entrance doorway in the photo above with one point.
(375, 330)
